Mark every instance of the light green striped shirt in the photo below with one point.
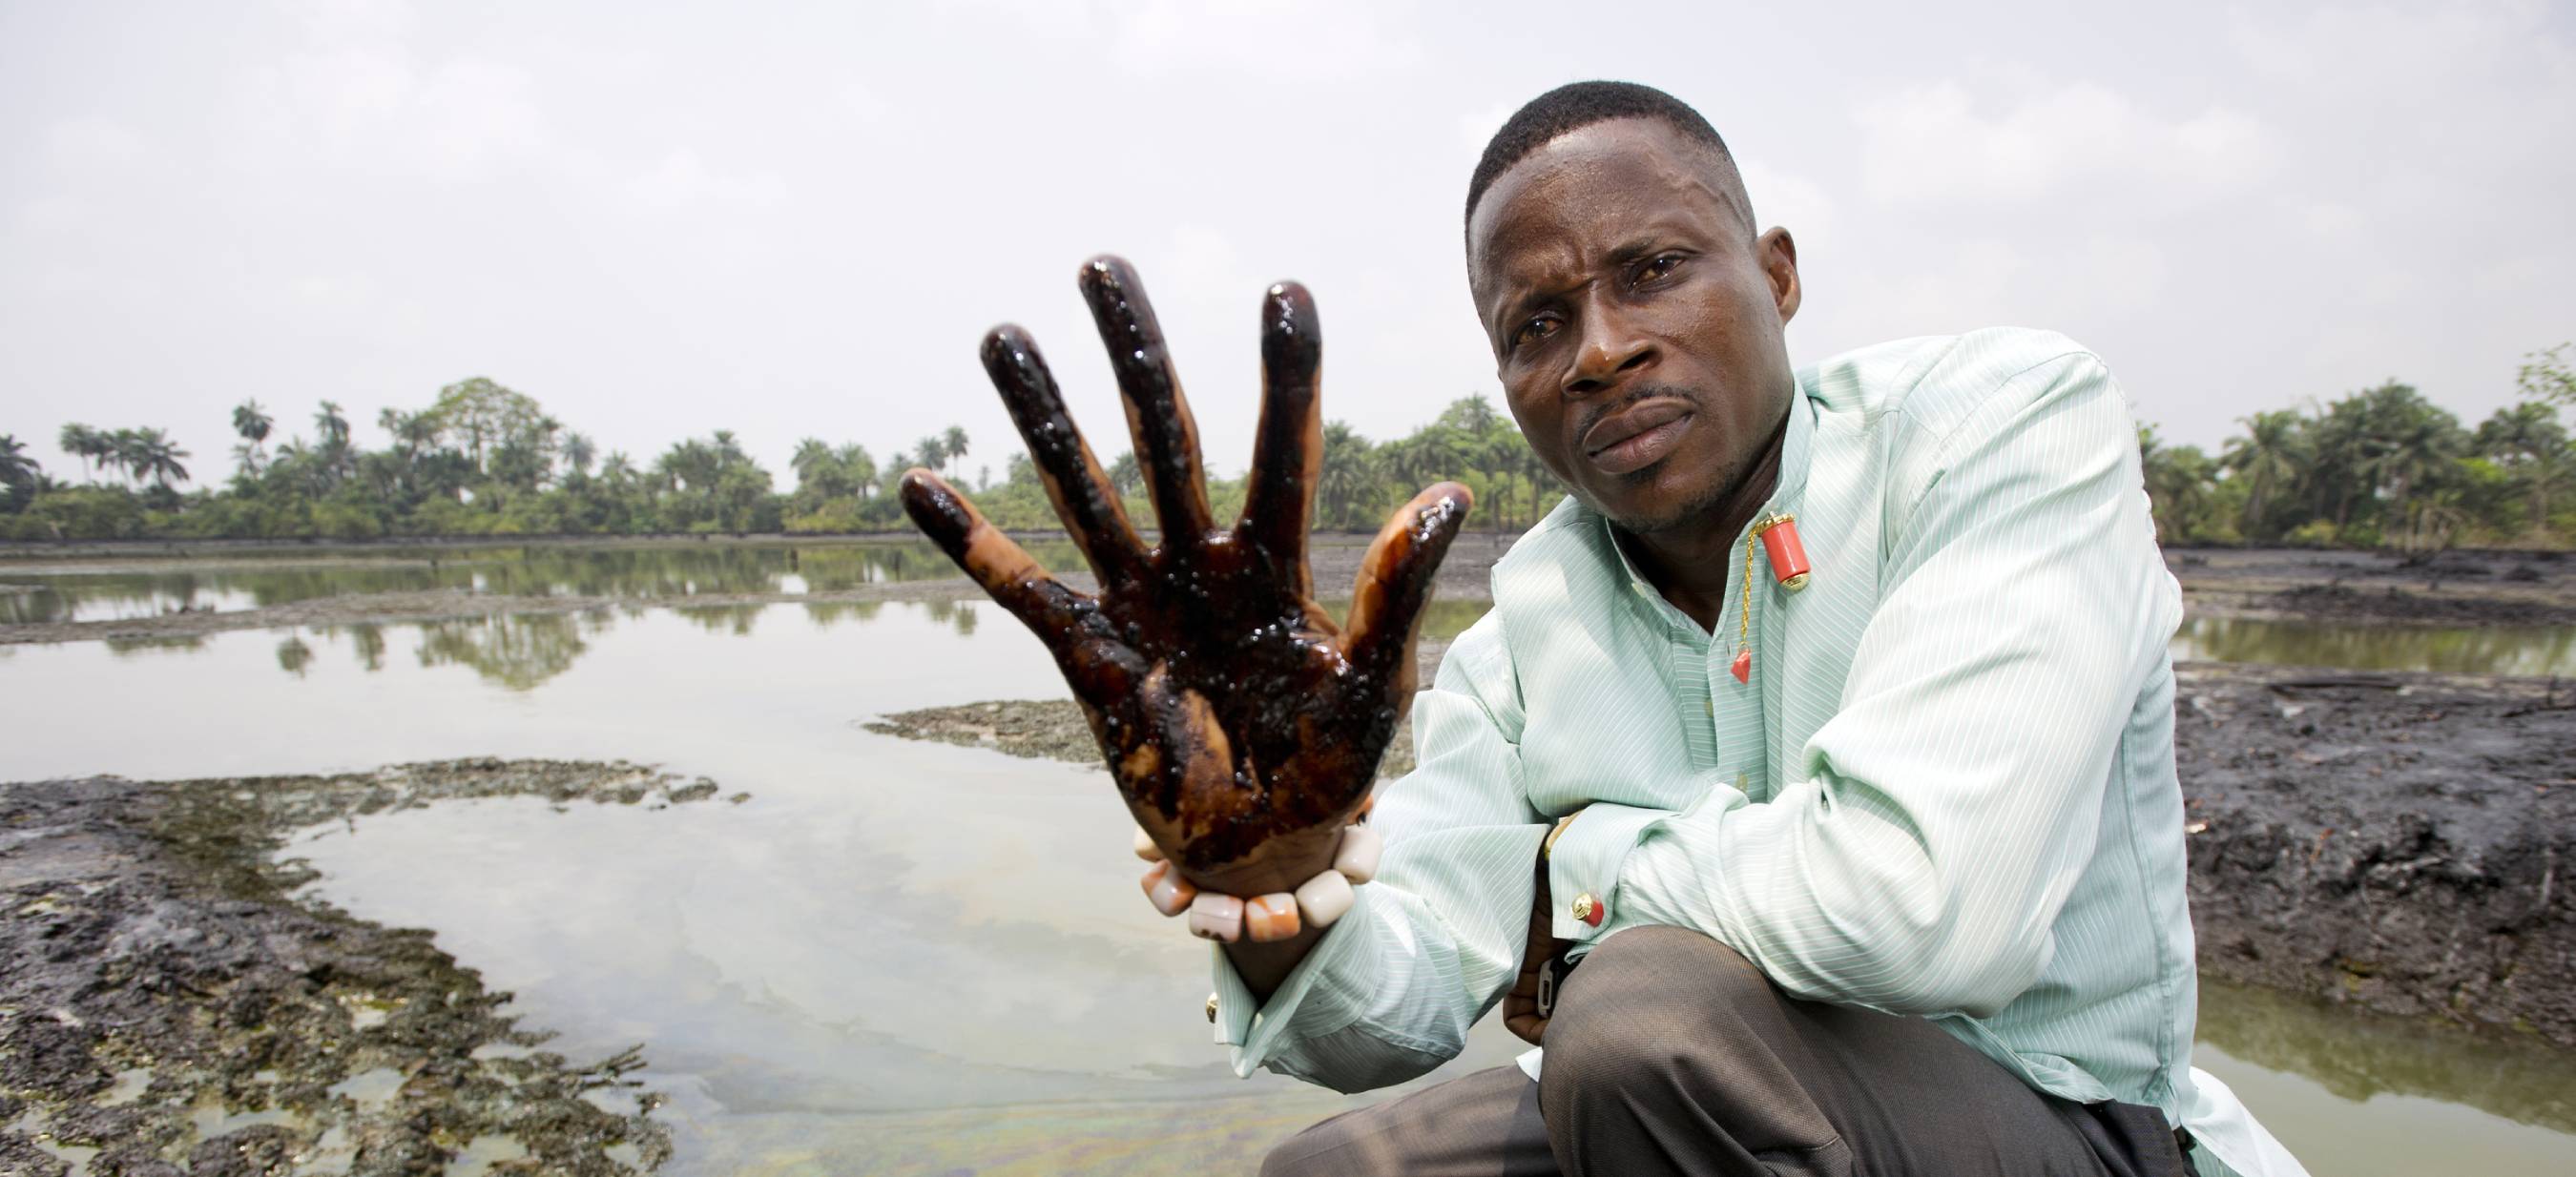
(1947, 791)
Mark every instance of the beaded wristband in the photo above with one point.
(1278, 915)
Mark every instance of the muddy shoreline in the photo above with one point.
(168, 1004)
(2451, 589)
(2394, 841)
(2389, 841)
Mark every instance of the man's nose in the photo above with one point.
(1611, 349)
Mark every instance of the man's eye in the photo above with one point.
(1659, 266)
(1535, 330)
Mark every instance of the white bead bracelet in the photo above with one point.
(1264, 918)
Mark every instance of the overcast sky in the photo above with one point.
(798, 219)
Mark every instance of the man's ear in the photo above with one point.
(1778, 253)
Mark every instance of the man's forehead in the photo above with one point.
(1623, 173)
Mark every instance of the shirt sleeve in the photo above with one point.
(1935, 825)
(1389, 991)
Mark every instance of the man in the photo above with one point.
(1945, 789)
(1882, 873)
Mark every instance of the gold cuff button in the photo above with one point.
(1588, 909)
(1211, 1009)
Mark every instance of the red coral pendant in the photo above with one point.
(1743, 667)
(1788, 555)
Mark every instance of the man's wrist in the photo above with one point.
(1583, 865)
(1547, 848)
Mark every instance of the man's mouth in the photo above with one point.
(1638, 436)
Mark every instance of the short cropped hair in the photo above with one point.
(1577, 105)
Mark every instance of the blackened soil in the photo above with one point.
(2388, 840)
(2457, 588)
(167, 1007)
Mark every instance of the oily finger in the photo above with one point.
(1004, 570)
(1395, 583)
(1288, 452)
(1074, 481)
(1167, 440)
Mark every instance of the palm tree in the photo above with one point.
(858, 468)
(331, 429)
(411, 432)
(252, 423)
(2412, 443)
(2527, 441)
(578, 450)
(87, 444)
(2548, 375)
(331, 425)
(2267, 457)
(18, 472)
(953, 443)
(157, 457)
(2177, 480)
(1541, 479)
(934, 453)
(1344, 481)
(812, 463)
(125, 451)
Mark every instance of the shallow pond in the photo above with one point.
(902, 957)
(2498, 649)
(113, 590)
(118, 589)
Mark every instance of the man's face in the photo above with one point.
(1636, 319)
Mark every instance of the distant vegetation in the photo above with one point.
(486, 460)
(2382, 467)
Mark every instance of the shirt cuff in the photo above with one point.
(1258, 1031)
(1585, 865)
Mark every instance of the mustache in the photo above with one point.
(1598, 413)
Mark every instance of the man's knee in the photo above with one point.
(1320, 1149)
(1639, 1007)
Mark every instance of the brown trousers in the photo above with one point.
(1669, 1053)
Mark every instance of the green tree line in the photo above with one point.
(484, 459)
(2382, 466)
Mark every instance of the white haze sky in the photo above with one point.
(798, 219)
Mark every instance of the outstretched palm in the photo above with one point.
(1242, 724)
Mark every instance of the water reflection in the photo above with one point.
(522, 650)
(2358, 1057)
(369, 640)
(519, 652)
(156, 644)
(2355, 1094)
(100, 591)
(2502, 649)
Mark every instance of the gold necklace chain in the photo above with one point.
(1744, 615)
(1743, 667)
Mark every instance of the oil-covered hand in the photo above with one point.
(1243, 725)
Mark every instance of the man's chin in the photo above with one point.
(1641, 514)
(1648, 509)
